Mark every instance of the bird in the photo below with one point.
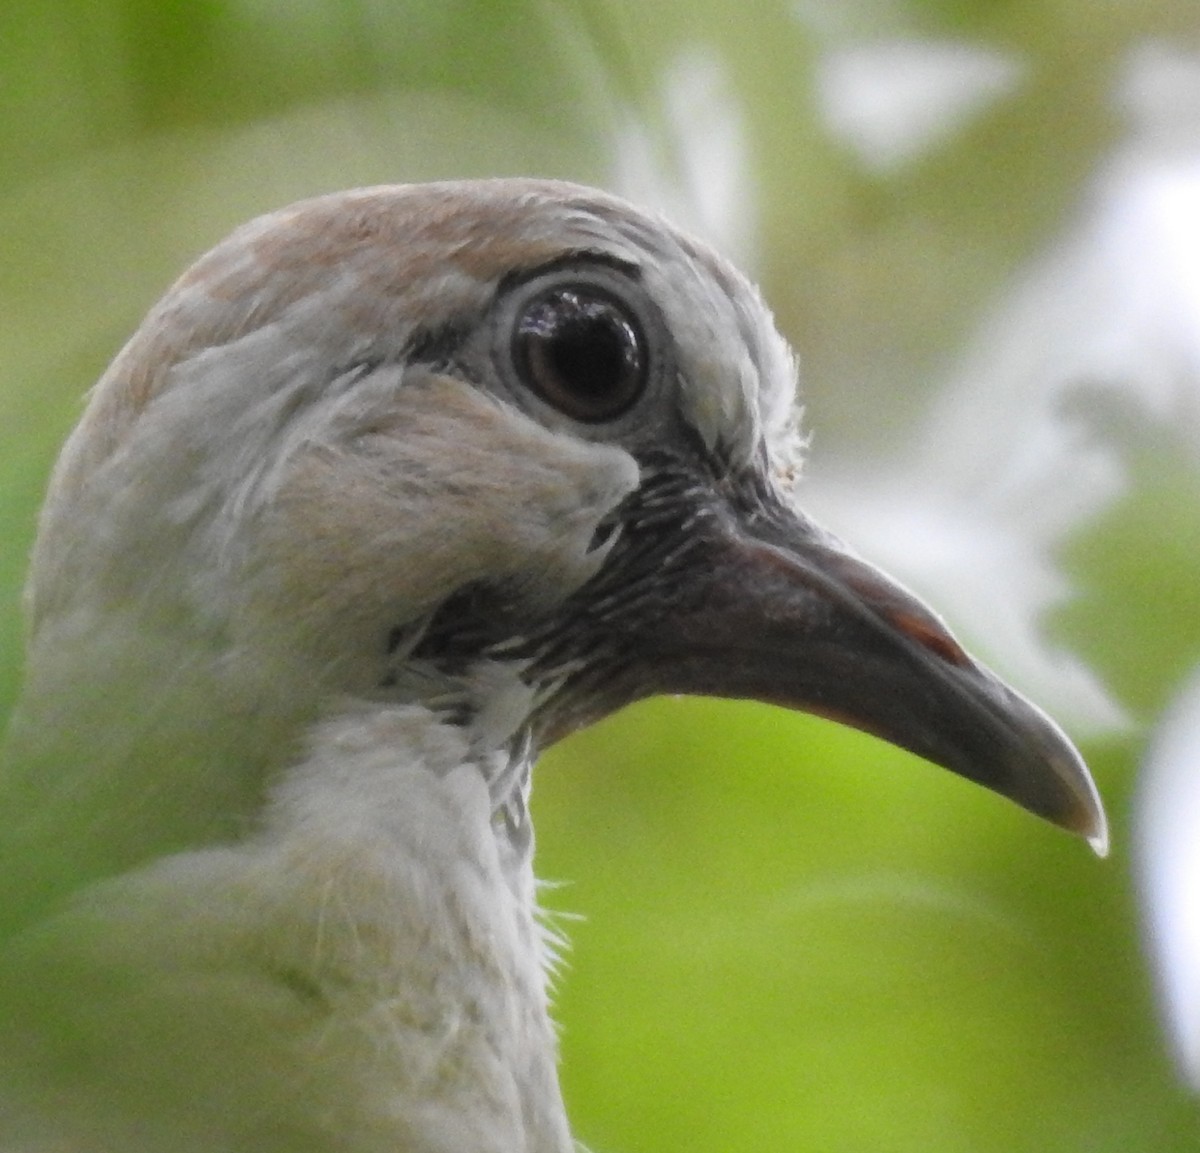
(392, 490)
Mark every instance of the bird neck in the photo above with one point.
(140, 734)
(380, 913)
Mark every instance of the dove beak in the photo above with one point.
(772, 607)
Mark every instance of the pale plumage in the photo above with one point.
(390, 490)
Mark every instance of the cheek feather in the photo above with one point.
(443, 488)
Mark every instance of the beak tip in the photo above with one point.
(1088, 817)
(1097, 831)
(1057, 763)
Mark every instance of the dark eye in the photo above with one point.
(581, 350)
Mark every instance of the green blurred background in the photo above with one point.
(792, 936)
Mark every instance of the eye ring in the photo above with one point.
(581, 349)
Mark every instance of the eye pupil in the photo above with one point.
(581, 351)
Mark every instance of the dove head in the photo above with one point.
(512, 450)
(330, 426)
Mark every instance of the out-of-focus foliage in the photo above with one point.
(794, 937)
